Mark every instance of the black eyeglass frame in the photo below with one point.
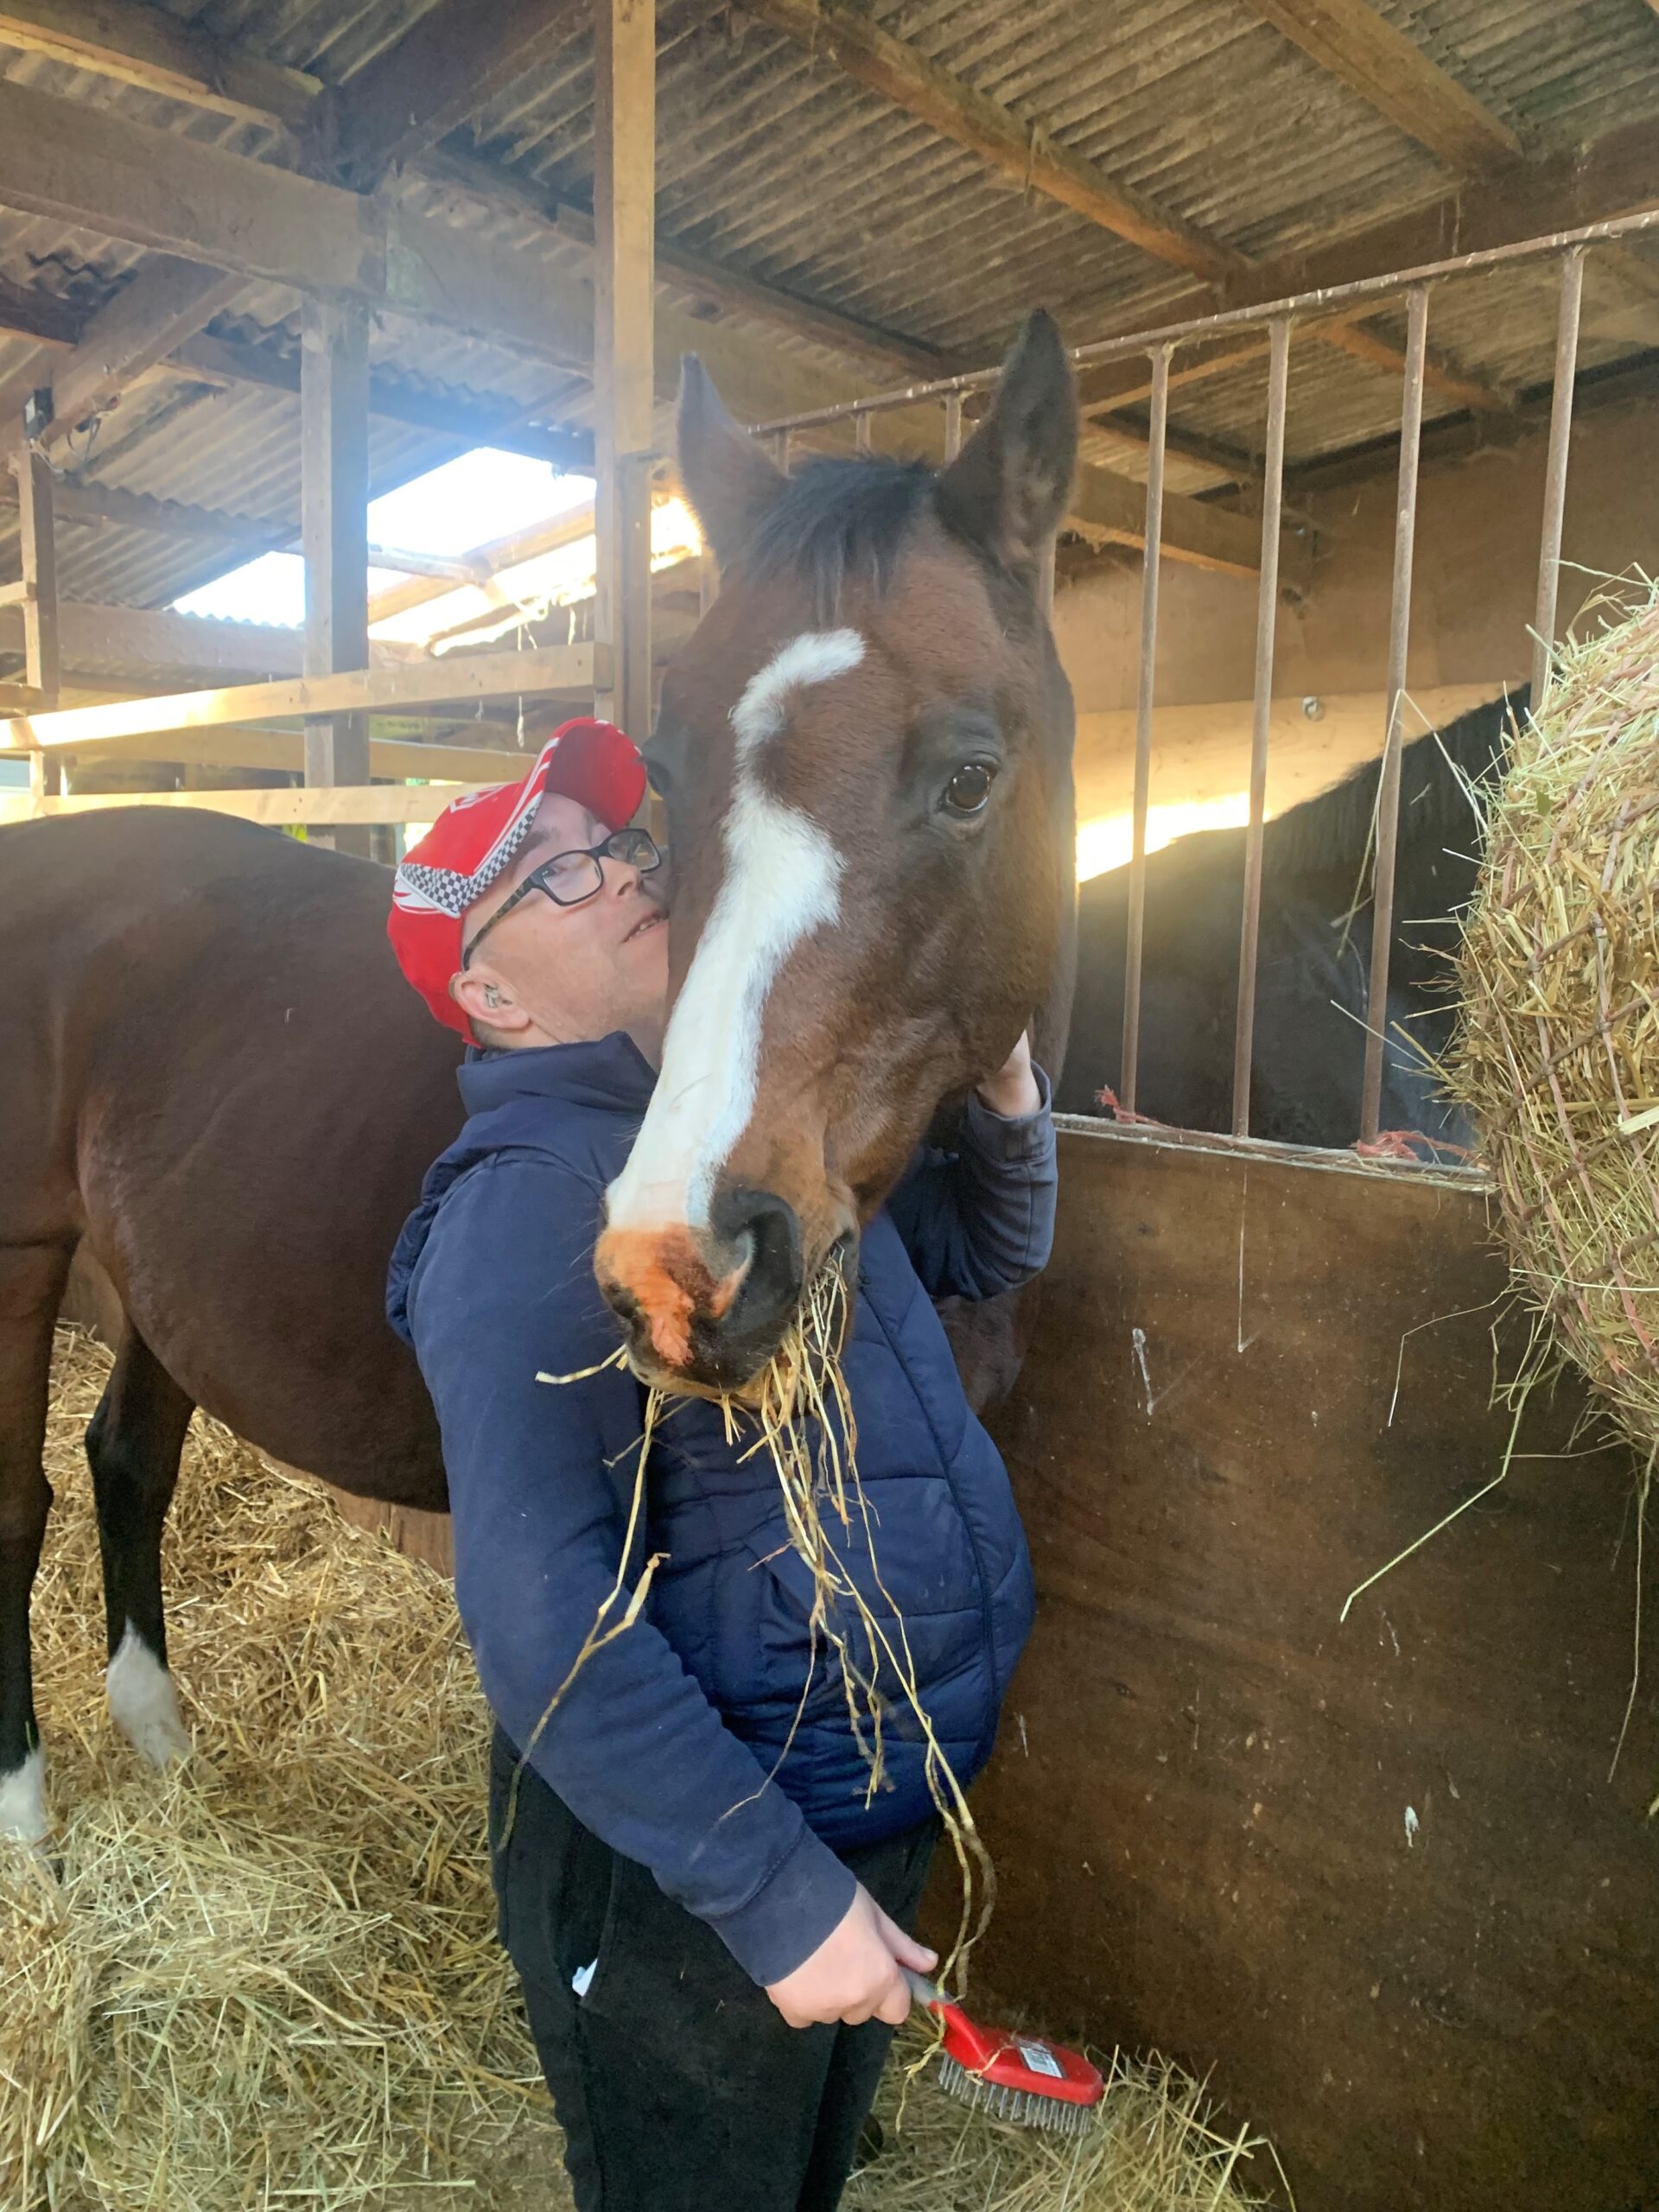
(633, 848)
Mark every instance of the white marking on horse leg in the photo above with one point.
(144, 1704)
(782, 881)
(23, 1799)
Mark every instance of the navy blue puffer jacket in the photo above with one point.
(674, 1741)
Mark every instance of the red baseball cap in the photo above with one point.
(474, 840)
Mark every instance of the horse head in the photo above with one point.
(865, 756)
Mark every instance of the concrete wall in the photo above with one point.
(1473, 602)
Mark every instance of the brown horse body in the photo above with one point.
(212, 1074)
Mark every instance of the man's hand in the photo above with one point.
(1011, 1091)
(854, 1973)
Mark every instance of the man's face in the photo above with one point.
(575, 972)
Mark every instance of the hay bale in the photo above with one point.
(1557, 1056)
(273, 1974)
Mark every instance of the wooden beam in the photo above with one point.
(455, 61)
(1442, 371)
(166, 302)
(88, 165)
(500, 553)
(135, 640)
(334, 509)
(1350, 42)
(624, 185)
(284, 750)
(858, 47)
(467, 417)
(557, 671)
(148, 47)
(357, 806)
(42, 668)
(25, 313)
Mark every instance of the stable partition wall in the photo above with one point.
(1371, 1875)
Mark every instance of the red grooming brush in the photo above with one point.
(1018, 2078)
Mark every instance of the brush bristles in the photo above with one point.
(1020, 2108)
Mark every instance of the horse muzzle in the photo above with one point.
(706, 1307)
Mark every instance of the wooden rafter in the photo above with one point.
(862, 49)
(130, 42)
(65, 159)
(1350, 42)
(166, 302)
(453, 61)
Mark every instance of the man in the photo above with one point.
(706, 1903)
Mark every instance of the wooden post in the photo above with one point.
(40, 555)
(624, 193)
(335, 516)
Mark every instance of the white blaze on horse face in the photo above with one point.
(782, 881)
(143, 1703)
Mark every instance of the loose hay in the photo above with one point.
(273, 1972)
(1558, 1054)
(1157, 2148)
(272, 1975)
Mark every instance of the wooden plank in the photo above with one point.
(135, 44)
(467, 417)
(1203, 1775)
(857, 45)
(335, 528)
(500, 553)
(64, 158)
(1112, 509)
(1351, 42)
(624, 173)
(557, 672)
(283, 750)
(42, 662)
(165, 303)
(355, 807)
(455, 60)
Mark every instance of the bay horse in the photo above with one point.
(1312, 961)
(213, 1076)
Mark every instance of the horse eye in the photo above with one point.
(970, 788)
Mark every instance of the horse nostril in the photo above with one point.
(763, 1227)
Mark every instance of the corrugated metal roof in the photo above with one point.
(774, 162)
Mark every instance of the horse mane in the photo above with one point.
(837, 521)
(1334, 829)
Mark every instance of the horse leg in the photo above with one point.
(133, 1444)
(31, 1283)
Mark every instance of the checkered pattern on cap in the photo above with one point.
(475, 840)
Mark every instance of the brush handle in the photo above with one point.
(924, 1992)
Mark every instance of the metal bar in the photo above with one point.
(1295, 304)
(863, 425)
(1267, 612)
(780, 447)
(1136, 934)
(38, 544)
(952, 425)
(1388, 789)
(1560, 439)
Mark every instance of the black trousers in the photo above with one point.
(676, 2082)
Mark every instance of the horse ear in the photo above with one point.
(729, 481)
(1007, 489)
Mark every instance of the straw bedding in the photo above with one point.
(272, 1975)
(1558, 1054)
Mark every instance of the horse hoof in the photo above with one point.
(144, 1704)
(23, 1800)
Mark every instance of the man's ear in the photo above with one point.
(486, 1002)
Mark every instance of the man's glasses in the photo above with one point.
(569, 878)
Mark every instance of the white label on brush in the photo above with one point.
(1041, 2060)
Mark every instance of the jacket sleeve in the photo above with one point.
(540, 1477)
(979, 1220)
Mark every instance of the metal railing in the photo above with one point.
(1277, 318)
